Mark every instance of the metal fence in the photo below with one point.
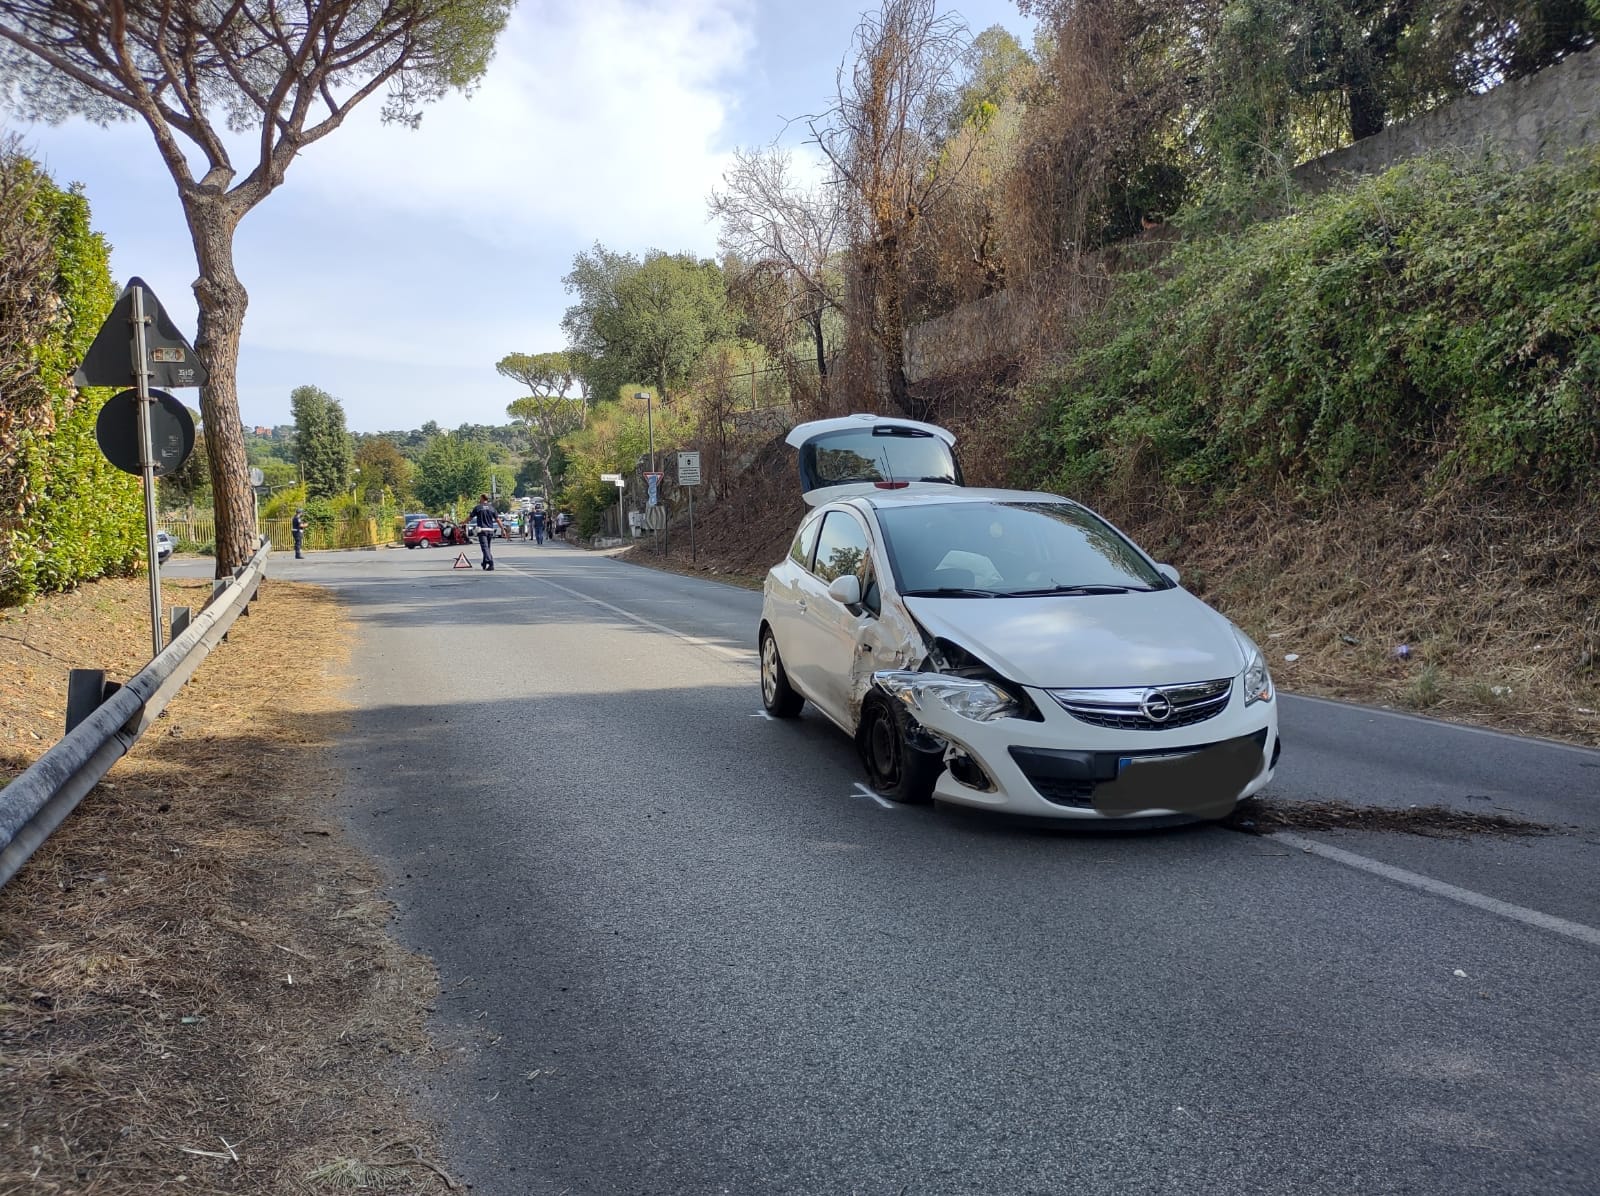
(338, 533)
(190, 527)
(335, 533)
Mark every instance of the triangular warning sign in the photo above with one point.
(461, 561)
(109, 361)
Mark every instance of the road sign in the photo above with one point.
(171, 432)
(257, 478)
(689, 469)
(611, 477)
(655, 518)
(169, 358)
(652, 482)
(620, 484)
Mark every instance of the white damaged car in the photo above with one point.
(1000, 648)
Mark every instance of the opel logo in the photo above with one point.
(1156, 706)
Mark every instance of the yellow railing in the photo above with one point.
(343, 533)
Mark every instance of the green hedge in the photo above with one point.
(1442, 318)
(72, 516)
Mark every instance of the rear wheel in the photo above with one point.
(777, 695)
(899, 769)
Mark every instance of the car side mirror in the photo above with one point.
(846, 590)
(1169, 572)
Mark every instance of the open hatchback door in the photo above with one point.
(860, 454)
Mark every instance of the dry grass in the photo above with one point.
(1497, 599)
(196, 989)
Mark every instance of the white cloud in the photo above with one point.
(602, 120)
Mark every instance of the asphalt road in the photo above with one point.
(681, 952)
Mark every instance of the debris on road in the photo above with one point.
(1262, 816)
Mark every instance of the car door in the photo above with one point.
(830, 632)
(784, 598)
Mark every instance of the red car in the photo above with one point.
(425, 533)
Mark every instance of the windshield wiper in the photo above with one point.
(1074, 590)
(949, 592)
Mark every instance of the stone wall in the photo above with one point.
(1542, 116)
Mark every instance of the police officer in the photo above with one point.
(485, 520)
(298, 526)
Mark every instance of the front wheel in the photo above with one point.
(899, 769)
(777, 695)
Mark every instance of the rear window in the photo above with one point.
(887, 453)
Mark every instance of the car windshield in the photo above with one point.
(1020, 549)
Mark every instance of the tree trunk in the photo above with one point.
(1367, 110)
(815, 320)
(892, 333)
(222, 301)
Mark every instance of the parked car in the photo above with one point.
(1003, 649)
(165, 546)
(426, 532)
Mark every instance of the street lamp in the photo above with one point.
(650, 425)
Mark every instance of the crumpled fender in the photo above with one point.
(891, 641)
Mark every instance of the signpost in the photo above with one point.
(689, 475)
(159, 356)
(621, 484)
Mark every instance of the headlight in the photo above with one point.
(1257, 681)
(966, 696)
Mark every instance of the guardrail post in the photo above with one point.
(87, 689)
(181, 617)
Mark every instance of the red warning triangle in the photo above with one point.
(461, 561)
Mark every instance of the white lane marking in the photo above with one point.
(743, 656)
(863, 791)
(765, 715)
(1414, 880)
(1489, 732)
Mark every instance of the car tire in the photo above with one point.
(897, 768)
(777, 695)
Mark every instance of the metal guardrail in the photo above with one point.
(37, 802)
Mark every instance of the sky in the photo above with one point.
(395, 267)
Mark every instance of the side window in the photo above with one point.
(842, 548)
(805, 540)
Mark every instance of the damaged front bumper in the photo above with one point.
(1035, 759)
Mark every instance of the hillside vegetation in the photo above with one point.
(1441, 321)
(1373, 422)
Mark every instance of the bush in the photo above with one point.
(69, 514)
(1442, 319)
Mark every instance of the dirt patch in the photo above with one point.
(197, 992)
(1262, 816)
